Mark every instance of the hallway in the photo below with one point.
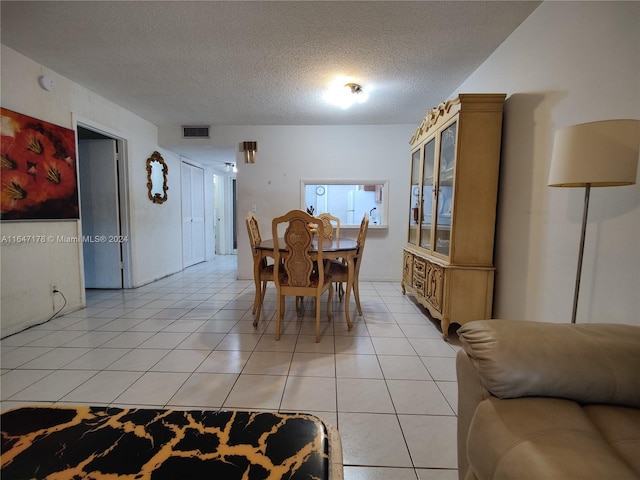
(187, 341)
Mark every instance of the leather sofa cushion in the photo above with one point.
(587, 363)
(620, 427)
(541, 438)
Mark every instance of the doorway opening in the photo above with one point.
(104, 216)
(225, 209)
(234, 221)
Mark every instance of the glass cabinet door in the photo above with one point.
(426, 206)
(444, 200)
(414, 197)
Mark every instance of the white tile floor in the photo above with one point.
(187, 341)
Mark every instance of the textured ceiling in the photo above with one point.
(264, 62)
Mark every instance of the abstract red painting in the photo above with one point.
(38, 177)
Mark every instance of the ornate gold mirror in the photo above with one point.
(157, 178)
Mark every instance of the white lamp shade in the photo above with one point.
(600, 154)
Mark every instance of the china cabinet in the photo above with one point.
(455, 159)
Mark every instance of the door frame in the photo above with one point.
(233, 227)
(123, 194)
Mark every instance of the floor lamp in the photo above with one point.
(596, 154)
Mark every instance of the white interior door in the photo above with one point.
(197, 214)
(100, 213)
(193, 240)
(187, 248)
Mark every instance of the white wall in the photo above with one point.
(568, 63)
(29, 270)
(287, 154)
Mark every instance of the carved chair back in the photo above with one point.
(362, 237)
(330, 231)
(253, 229)
(300, 273)
(299, 270)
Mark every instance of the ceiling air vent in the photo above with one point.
(195, 131)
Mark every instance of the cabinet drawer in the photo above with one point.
(419, 285)
(419, 267)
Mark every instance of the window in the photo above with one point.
(348, 200)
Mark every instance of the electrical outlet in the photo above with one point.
(54, 289)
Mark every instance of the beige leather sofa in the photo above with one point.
(548, 401)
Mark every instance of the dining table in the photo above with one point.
(332, 249)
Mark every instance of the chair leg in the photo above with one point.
(256, 320)
(279, 314)
(259, 301)
(356, 295)
(329, 314)
(257, 298)
(317, 320)
(255, 302)
(299, 305)
(264, 290)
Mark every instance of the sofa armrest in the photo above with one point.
(588, 363)
(470, 393)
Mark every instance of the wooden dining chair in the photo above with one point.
(331, 230)
(262, 271)
(340, 272)
(331, 226)
(299, 272)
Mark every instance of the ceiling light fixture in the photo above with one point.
(230, 167)
(346, 94)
